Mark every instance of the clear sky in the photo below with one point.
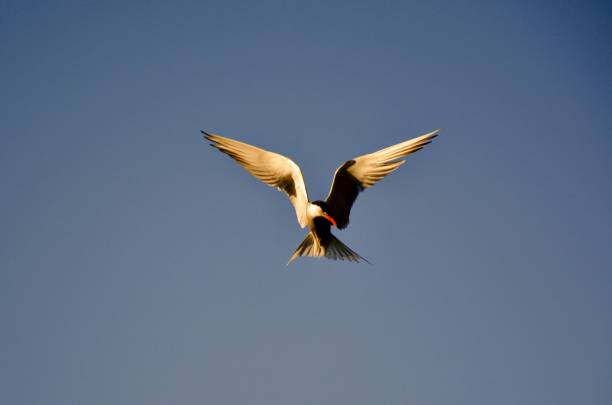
(140, 266)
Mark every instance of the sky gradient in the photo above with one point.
(140, 266)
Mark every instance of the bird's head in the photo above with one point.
(319, 209)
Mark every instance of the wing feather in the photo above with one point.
(272, 168)
(357, 174)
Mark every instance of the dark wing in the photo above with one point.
(364, 171)
(273, 169)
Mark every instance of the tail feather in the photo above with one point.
(334, 250)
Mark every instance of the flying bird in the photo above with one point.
(351, 178)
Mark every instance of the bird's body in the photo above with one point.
(352, 177)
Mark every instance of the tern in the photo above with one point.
(351, 178)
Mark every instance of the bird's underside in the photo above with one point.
(351, 178)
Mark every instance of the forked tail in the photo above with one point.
(333, 249)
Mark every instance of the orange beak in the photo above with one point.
(330, 219)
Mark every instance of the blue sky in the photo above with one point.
(140, 266)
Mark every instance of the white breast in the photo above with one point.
(313, 211)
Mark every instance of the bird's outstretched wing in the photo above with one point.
(364, 171)
(273, 169)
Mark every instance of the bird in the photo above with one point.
(350, 179)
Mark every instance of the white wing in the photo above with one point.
(370, 168)
(357, 174)
(272, 168)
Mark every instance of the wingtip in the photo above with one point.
(206, 135)
(431, 135)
